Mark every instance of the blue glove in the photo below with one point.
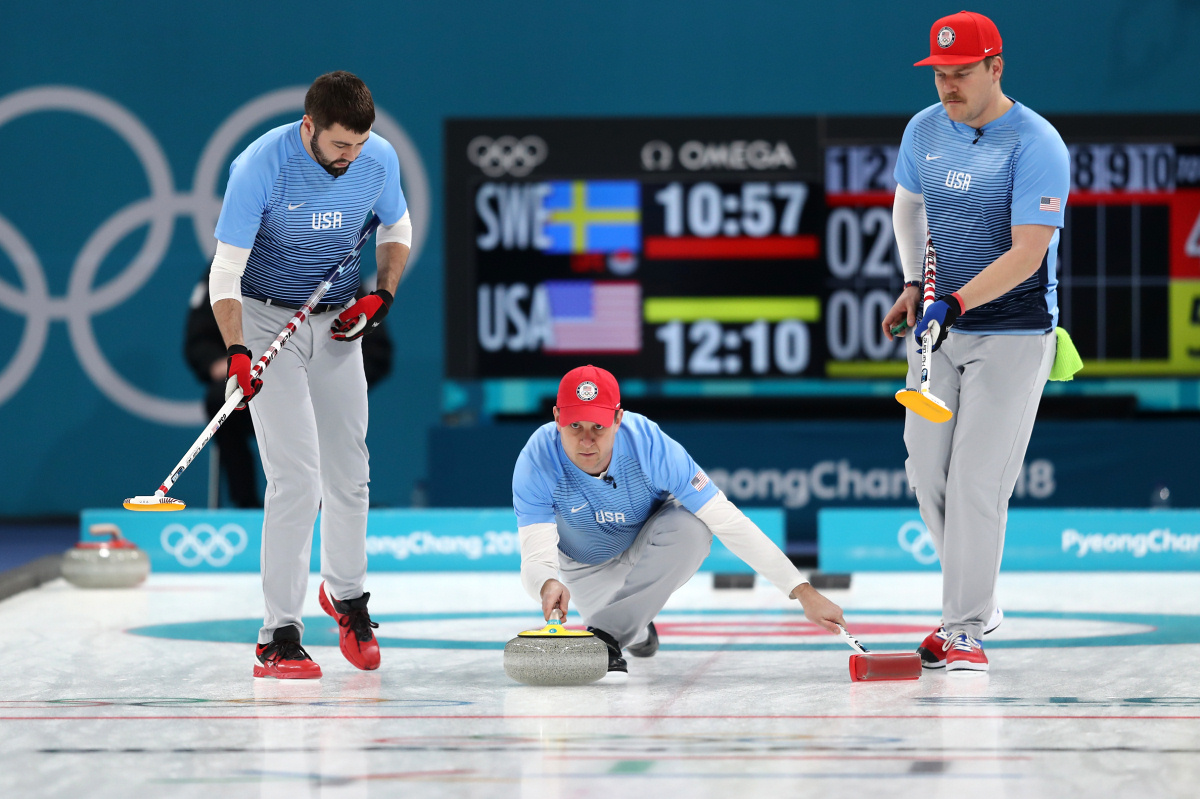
(939, 317)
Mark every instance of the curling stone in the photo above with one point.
(555, 655)
(115, 563)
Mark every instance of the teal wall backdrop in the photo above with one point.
(95, 401)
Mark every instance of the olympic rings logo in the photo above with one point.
(506, 155)
(915, 539)
(657, 155)
(83, 300)
(203, 544)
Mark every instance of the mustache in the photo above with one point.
(952, 98)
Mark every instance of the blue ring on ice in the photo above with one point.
(1164, 629)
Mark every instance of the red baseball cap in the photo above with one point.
(588, 394)
(962, 38)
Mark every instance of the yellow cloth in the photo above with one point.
(1066, 359)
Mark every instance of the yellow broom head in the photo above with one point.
(153, 503)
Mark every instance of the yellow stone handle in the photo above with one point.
(556, 627)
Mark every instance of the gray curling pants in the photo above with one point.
(623, 594)
(964, 470)
(310, 419)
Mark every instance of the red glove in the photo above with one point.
(362, 317)
(238, 374)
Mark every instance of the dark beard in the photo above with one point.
(319, 157)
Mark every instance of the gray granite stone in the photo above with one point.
(551, 660)
(105, 567)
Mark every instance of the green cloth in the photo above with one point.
(1066, 360)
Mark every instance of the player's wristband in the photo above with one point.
(902, 325)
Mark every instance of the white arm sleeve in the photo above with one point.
(749, 543)
(400, 233)
(911, 228)
(225, 277)
(539, 556)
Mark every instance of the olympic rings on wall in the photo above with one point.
(203, 543)
(507, 155)
(915, 539)
(83, 300)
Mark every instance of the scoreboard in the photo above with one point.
(762, 248)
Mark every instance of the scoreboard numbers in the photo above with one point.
(706, 209)
(1122, 167)
(762, 248)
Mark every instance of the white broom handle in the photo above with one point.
(297, 319)
(926, 346)
(209, 431)
(928, 290)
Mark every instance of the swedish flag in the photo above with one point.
(593, 216)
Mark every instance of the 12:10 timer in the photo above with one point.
(706, 347)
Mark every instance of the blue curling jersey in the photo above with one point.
(977, 184)
(298, 220)
(599, 518)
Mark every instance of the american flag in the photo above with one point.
(1050, 204)
(699, 481)
(595, 316)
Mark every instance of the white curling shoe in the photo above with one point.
(994, 621)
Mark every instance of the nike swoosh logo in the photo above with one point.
(929, 157)
(988, 49)
(294, 207)
(581, 507)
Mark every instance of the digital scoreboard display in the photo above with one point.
(736, 248)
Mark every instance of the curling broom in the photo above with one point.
(921, 401)
(869, 666)
(159, 501)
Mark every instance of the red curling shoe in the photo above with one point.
(358, 643)
(284, 658)
(933, 650)
(964, 653)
